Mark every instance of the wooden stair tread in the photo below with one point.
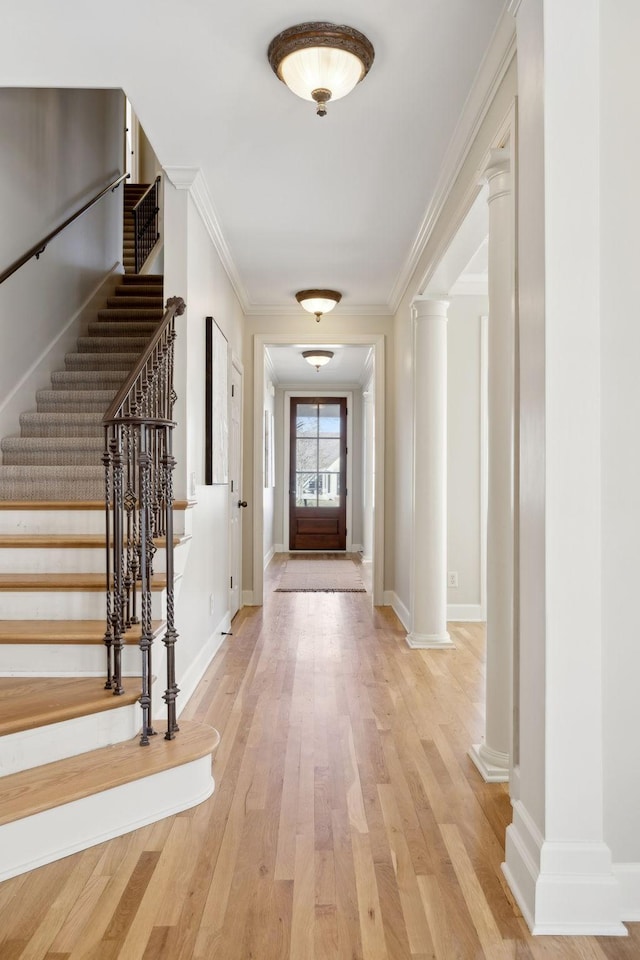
(74, 582)
(74, 504)
(66, 631)
(70, 540)
(42, 788)
(30, 702)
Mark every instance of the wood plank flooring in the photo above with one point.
(348, 822)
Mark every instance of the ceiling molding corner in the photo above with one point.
(192, 179)
(491, 72)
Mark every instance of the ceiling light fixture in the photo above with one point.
(320, 61)
(317, 358)
(318, 301)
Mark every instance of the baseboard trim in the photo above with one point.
(465, 612)
(490, 772)
(391, 599)
(628, 877)
(279, 548)
(190, 680)
(268, 557)
(429, 641)
(563, 889)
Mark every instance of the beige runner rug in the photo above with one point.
(320, 576)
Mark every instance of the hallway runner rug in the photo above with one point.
(320, 576)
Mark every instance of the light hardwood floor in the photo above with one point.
(347, 824)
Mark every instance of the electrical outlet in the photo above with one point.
(452, 578)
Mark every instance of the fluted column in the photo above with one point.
(429, 549)
(492, 757)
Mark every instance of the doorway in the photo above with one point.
(376, 391)
(317, 473)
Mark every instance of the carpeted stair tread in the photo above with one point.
(136, 303)
(51, 483)
(142, 292)
(145, 279)
(112, 344)
(74, 401)
(36, 424)
(88, 379)
(117, 328)
(96, 361)
(131, 313)
(51, 451)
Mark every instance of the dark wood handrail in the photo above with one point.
(175, 307)
(40, 247)
(146, 193)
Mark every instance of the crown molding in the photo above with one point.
(192, 179)
(490, 74)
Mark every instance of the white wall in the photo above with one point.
(620, 332)
(463, 451)
(193, 271)
(59, 148)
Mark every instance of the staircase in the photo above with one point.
(132, 193)
(71, 771)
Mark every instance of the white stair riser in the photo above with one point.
(56, 833)
(68, 659)
(56, 741)
(68, 559)
(67, 605)
(70, 521)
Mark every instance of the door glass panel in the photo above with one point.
(307, 420)
(329, 423)
(306, 489)
(306, 455)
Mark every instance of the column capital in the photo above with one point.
(425, 307)
(497, 173)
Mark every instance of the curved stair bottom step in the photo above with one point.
(152, 783)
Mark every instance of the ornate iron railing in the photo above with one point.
(139, 464)
(145, 223)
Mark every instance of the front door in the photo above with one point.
(317, 484)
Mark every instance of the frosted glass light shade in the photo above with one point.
(317, 358)
(318, 301)
(320, 61)
(321, 68)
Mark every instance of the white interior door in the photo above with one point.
(235, 489)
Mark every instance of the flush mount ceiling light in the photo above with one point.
(318, 301)
(317, 358)
(320, 61)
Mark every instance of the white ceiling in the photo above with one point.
(348, 366)
(298, 201)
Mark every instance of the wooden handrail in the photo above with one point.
(175, 307)
(40, 247)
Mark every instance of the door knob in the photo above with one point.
(242, 503)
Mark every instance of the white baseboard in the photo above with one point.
(391, 599)
(190, 680)
(493, 767)
(563, 889)
(268, 557)
(628, 877)
(247, 598)
(357, 548)
(466, 612)
(429, 641)
(279, 548)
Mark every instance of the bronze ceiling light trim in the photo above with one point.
(318, 301)
(321, 61)
(317, 358)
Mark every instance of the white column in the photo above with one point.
(492, 757)
(429, 549)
